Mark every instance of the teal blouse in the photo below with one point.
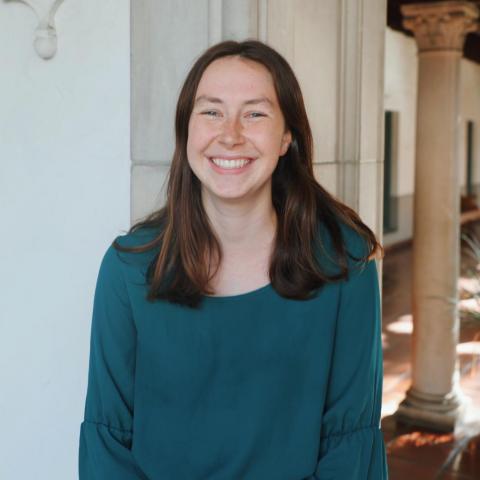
(248, 387)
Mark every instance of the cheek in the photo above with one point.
(192, 143)
(269, 139)
(198, 135)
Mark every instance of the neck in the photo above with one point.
(242, 228)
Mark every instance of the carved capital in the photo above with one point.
(440, 26)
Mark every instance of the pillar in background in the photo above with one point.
(434, 399)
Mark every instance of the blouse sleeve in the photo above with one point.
(352, 445)
(106, 432)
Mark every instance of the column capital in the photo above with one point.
(440, 26)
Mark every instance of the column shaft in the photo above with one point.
(436, 225)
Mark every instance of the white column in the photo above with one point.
(360, 121)
(434, 399)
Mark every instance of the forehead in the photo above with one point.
(236, 76)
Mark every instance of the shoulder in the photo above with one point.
(117, 261)
(355, 245)
(138, 238)
(362, 270)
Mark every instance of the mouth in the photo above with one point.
(228, 165)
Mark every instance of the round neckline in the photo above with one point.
(240, 296)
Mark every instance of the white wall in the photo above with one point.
(64, 196)
(470, 110)
(401, 97)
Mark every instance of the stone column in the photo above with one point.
(434, 399)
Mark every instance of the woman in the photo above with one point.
(236, 331)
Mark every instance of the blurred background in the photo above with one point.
(88, 92)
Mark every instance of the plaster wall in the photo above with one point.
(64, 196)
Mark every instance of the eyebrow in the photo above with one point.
(253, 101)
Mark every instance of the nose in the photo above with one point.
(231, 133)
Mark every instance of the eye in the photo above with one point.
(210, 113)
(256, 114)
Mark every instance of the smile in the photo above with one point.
(235, 165)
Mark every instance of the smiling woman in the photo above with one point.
(236, 331)
(241, 134)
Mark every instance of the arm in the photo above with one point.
(106, 432)
(352, 444)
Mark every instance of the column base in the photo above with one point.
(443, 413)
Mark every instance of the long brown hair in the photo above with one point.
(179, 272)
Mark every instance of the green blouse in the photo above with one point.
(248, 387)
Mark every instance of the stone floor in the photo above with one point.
(415, 453)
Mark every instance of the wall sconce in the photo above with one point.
(45, 42)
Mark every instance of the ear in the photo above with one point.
(286, 141)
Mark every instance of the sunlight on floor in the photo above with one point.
(403, 324)
(469, 348)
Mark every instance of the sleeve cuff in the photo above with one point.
(357, 455)
(105, 453)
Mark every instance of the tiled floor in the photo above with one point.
(414, 453)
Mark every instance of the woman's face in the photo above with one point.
(236, 131)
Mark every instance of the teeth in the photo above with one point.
(230, 163)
